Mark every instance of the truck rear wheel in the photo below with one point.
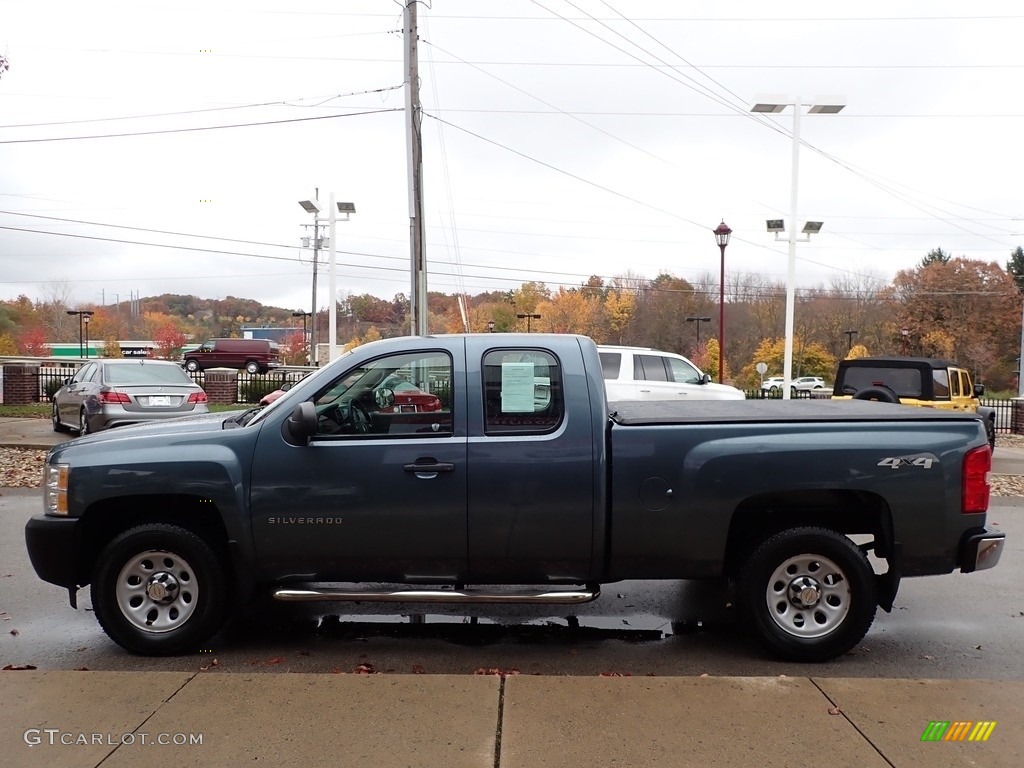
(808, 593)
(159, 590)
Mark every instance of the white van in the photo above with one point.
(637, 373)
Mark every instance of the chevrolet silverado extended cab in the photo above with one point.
(524, 485)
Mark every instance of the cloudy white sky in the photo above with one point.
(156, 147)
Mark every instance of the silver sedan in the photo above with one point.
(112, 393)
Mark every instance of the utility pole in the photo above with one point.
(414, 146)
(316, 257)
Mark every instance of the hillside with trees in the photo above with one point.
(947, 306)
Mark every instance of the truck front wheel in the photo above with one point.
(808, 593)
(159, 590)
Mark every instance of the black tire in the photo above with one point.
(827, 571)
(878, 394)
(191, 366)
(252, 368)
(159, 590)
(83, 423)
(55, 420)
(990, 433)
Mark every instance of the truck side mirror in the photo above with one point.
(302, 424)
(979, 390)
(705, 379)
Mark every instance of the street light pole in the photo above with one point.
(305, 337)
(698, 320)
(85, 319)
(722, 233)
(905, 332)
(774, 106)
(83, 315)
(528, 316)
(849, 339)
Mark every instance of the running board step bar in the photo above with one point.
(557, 597)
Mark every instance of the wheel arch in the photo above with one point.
(106, 519)
(847, 512)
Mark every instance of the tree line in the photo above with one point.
(949, 307)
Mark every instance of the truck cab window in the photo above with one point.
(404, 395)
(522, 392)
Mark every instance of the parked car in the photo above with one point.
(254, 355)
(924, 382)
(808, 383)
(773, 383)
(638, 373)
(112, 393)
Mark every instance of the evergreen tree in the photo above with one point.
(1015, 266)
(935, 256)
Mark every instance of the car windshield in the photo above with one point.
(142, 373)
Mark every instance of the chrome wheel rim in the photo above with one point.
(157, 591)
(808, 596)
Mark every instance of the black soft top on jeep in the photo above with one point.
(908, 377)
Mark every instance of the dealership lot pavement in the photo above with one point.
(57, 718)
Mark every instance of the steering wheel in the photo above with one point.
(358, 418)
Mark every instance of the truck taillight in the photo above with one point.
(974, 482)
(114, 397)
(198, 397)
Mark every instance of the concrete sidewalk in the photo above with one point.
(445, 721)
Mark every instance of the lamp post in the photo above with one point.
(85, 319)
(698, 320)
(849, 339)
(83, 315)
(314, 206)
(490, 326)
(905, 332)
(773, 105)
(528, 316)
(722, 233)
(305, 337)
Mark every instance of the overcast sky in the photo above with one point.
(561, 139)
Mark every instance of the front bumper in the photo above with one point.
(980, 550)
(54, 547)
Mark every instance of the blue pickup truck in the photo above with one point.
(511, 478)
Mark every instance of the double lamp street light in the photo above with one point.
(774, 105)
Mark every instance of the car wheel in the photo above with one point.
(191, 366)
(158, 590)
(83, 423)
(252, 368)
(808, 594)
(55, 419)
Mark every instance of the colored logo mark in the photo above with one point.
(958, 730)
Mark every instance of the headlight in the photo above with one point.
(55, 488)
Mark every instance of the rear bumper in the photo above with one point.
(54, 547)
(980, 550)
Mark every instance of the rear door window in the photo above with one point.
(611, 363)
(522, 392)
(649, 368)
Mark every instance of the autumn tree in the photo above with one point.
(32, 342)
(809, 359)
(8, 346)
(168, 340)
(1015, 266)
(111, 348)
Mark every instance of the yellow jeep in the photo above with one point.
(920, 381)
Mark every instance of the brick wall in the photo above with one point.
(221, 385)
(21, 383)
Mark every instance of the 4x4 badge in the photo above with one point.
(895, 462)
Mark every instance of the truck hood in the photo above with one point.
(186, 424)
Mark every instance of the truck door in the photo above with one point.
(532, 497)
(379, 493)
